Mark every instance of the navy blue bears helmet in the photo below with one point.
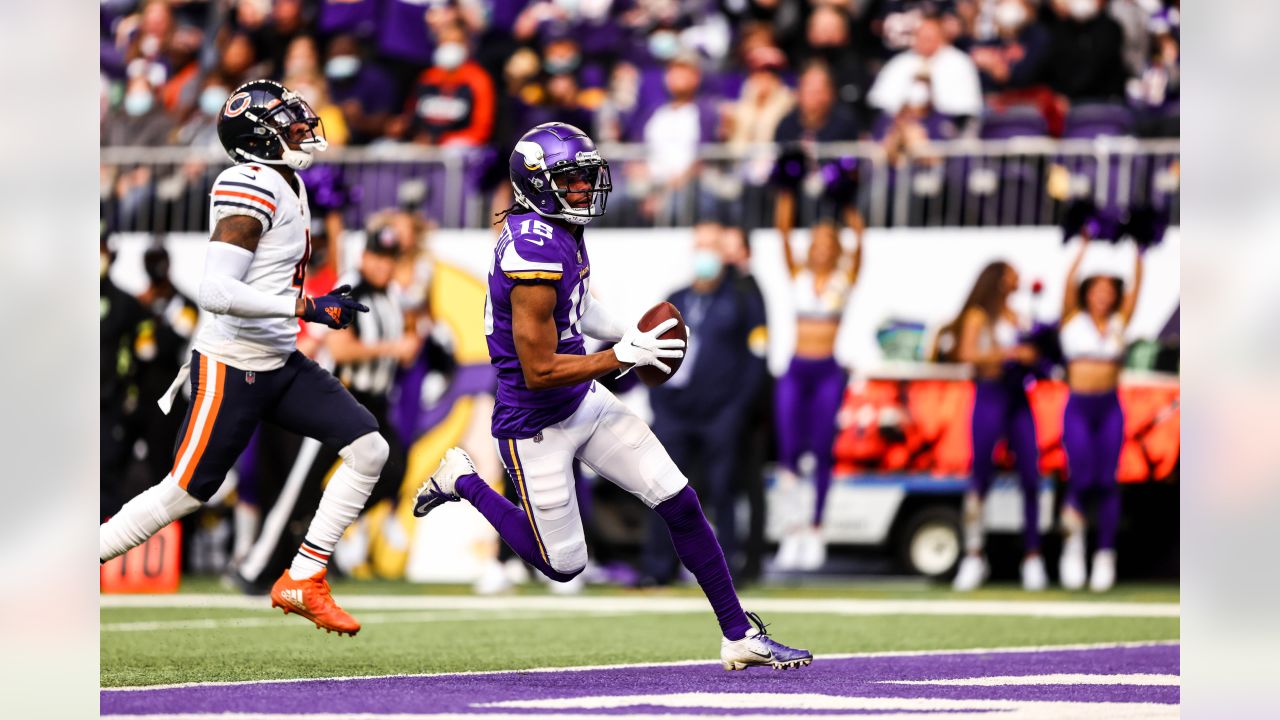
(266, 122)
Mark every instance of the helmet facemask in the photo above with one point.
(292, 122)
(594, 171)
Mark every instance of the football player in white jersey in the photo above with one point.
(246, 368)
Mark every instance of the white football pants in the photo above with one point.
(611, 439)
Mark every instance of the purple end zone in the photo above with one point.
(862, 677)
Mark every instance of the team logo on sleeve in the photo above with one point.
(237, 104)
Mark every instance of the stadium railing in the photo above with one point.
(959, 183)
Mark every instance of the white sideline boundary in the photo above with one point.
(910, 710)
(673, 663)
(661, 605)
(273, 620)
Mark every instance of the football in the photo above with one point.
(650, 375)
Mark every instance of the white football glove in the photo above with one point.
(639, 347)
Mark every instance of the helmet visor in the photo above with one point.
(296, 123)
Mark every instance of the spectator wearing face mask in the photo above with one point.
(915, 125)
(700, 419)
(561, 55)
(365, 91)
(160, 39)
(201, 127)
(1085, 61)
(313, 88)
(1015, 57)
(954, 87)
(453, 101)
(140, 119)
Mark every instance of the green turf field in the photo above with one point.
(242, 639)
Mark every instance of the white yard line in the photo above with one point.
(644, 604)
(675, 663)
(910, 710)
(1051, 679)
(365, 619)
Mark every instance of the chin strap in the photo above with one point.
(296, 159)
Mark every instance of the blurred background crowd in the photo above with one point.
(444, 72)
(467, 77)
(813, 118)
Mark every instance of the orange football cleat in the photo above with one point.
(310, 598)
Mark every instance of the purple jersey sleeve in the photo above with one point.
(535, 252)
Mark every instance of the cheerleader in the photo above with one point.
(1095, 315)
(986, 334)
(808, 395)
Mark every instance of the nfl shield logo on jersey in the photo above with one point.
(249, 377)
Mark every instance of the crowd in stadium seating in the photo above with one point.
(478, 73)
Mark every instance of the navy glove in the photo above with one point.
(336, 309)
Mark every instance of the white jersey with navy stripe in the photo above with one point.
(278, 267)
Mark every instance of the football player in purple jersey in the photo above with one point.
(550, 410)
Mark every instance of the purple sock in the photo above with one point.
(510, 522)
(696, 545)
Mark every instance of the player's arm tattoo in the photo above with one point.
(239, 230)
(534, 330)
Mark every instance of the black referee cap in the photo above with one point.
(382, 241)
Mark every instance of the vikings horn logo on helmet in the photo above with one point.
(532, 153)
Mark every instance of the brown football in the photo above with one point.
(657, 314)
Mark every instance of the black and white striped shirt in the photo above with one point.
(383, 323)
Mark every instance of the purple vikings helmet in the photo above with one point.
(544, 163)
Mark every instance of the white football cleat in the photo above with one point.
(788, 557)
(517, 572)
(439, 488)
(972, 573)
(757, 648)
(493, 580)
(1104, 571)
(813, 550)
(1034, 578)
(1071, 568)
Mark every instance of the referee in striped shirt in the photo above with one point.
(365, 357)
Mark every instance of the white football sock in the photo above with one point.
(343, 499)
(247, 519)
(972, 524)
(144, 516)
